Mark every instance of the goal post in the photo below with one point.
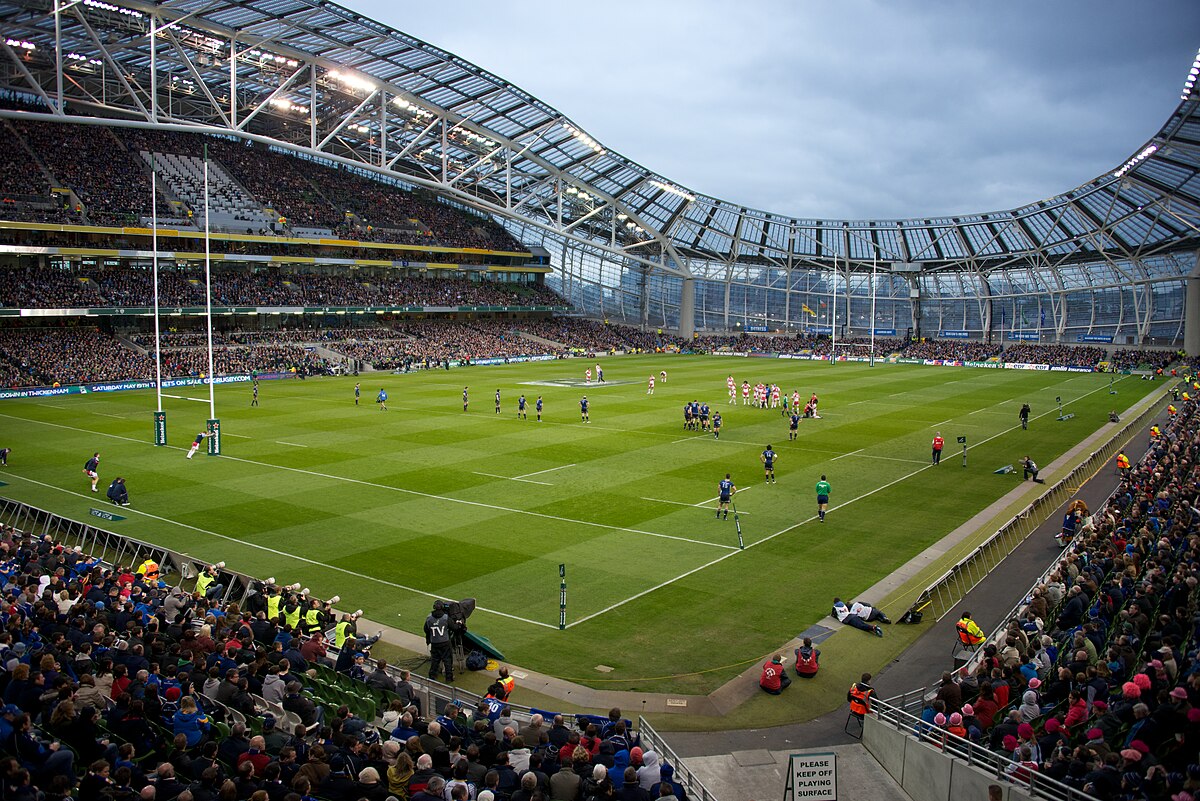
(852, 351)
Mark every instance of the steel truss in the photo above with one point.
(318, 78)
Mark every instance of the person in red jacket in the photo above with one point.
(807, 659)
(938, 444)
(257, 755)
(774, 676)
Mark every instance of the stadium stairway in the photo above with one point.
(542, 340)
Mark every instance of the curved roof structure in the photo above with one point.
(323, 79)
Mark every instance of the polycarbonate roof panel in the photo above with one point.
(332, 37)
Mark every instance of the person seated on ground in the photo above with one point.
(844, 615)
(807, 659)
(868, 613)
(774, 678)
(118, 493)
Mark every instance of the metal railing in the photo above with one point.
(653, 741)
(999, 766)
(947, 590)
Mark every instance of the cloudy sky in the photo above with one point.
(855, 109)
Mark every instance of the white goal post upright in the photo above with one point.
(160, 417)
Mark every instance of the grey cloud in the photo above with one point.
(856, 109)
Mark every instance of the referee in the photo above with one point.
(822, 497)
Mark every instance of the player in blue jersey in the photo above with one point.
(768, 458)
(92, 470)
(793, 424)
(704, 413)
(521, 412)
(538, 406)
(725, 492)
(716, 425)
(381, 399)
(357, 393)
(497, 401)
(583, 409)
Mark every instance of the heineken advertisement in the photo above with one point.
(160, 428)
(103, 515)
(213, 427)
(120, 386)
(190, 311)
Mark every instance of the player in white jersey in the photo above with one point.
(795, 399)
(745, 393)
(650, 385)
(732, 386)
(774, 396)
(587, 376)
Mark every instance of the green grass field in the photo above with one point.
(391, 509)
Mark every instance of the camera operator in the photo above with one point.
(437, 637)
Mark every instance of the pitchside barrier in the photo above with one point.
(932, 764)
(177, 567)
(653, 741)
(941, 596)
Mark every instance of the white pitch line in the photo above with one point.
(511, 478)
(51, 405)
(547, 470)
(844, 455)
(889, 458)
(689, 439)
(792, 527)
(285, 554)
(716, 497)
(293, 444)
(114, 416)
(239, 436)
(402, 490)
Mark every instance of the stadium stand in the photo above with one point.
(109, 171)
(1095, 680)
(119, 684)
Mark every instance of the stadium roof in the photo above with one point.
(322, 78)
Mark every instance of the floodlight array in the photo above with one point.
(1136, 160)
(1189, 86)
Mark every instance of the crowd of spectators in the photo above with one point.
(118, 686)
(92, 161)
(1144, 358)
(79, 355)
(242, 359)
(962, 350)
(54, 288)
(310, 194)
(1096, 681)
(1064, 355)
(83, 355)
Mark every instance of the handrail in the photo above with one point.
(653, 741)
(941, 596)
(971, 753)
